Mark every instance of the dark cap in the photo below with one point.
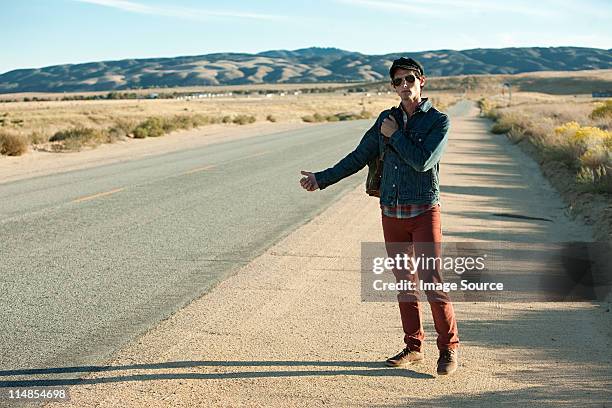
(406, 63)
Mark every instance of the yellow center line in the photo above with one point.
(91, 197)
(210, 166)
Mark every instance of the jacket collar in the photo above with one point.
(424, 106)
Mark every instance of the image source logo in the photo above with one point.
(476, 272)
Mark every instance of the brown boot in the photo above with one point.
(404, 358)
(448, 362)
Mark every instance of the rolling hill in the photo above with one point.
(300, 66)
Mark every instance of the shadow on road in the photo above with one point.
(367, 369)
(536, 396)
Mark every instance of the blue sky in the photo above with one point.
(37, 33)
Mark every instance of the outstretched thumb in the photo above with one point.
(305, 173)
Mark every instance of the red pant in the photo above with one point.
(425, 228)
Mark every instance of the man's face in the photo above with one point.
(410, 84)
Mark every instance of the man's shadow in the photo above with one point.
(354, 368)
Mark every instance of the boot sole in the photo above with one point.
(406, 364)
(447, 372)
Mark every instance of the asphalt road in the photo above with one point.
(93, 258)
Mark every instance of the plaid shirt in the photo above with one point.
(407, 210)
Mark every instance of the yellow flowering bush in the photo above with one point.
(584, 137)
(603, 110)
(593, 148)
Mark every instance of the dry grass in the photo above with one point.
(12, 144)
(111, 120)
(338, 117)
(572, 143)
(78, 138)
(603, 111)
(549, 82)
(576, 132)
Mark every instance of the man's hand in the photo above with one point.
(389, 126)
(309, 182)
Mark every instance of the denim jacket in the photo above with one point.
(411, 170)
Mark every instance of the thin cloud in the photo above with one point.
(391, 5)
(441, 7)
(481, 5)
(178, 12)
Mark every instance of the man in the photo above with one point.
(412, 137)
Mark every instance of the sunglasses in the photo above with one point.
(409, 80)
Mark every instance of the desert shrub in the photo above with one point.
(12, 144)
(270, 118)
(244, 119)
(584, 138)
(226, 119)
(200, 120)
(38, 137)
(364, 114)
(501, 127)
(76, 138)
(487, 109)
(115, 133)
(183, 122)
(81, 133)
(597, 179)
(505, 123)
(152, 127)
(561, 153)
(341, 116)
(347, 116)
(591, 149)
(170, 124)
(602, 111)
(319, 118)
(516, 134)
(140, 133)
(123, 128)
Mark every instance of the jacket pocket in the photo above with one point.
(417, 136)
